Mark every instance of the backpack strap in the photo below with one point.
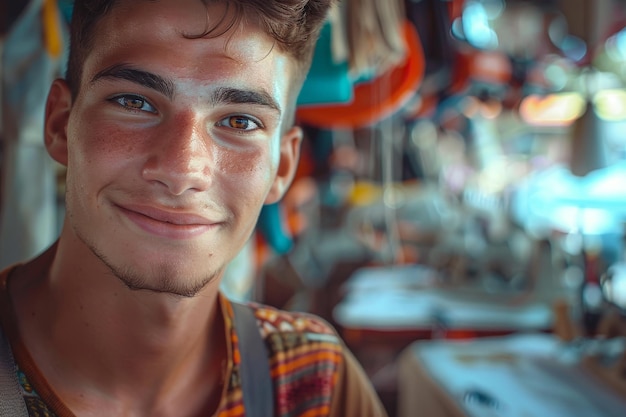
(11, 400)
(254, 369)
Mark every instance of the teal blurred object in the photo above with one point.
(327, 82)
(271, 225)
(65, 6)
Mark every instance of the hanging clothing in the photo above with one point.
(33, 55)
(375, 36)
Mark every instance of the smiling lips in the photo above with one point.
(167, 224)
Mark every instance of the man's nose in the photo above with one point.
(181, 156)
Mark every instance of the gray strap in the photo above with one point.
(254, 370)
(11, 400)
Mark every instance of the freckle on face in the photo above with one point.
(240, 162)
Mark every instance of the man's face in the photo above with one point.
(174, 144)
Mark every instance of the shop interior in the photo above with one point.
(459, 211)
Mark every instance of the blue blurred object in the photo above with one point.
(557, 199)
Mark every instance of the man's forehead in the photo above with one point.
(165, 39)
(218, 14)
(243, 39)
(172, 10)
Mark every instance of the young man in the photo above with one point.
(176, 126)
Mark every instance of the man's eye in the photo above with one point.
(134, 103)
(239, 123)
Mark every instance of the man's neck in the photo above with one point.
(98, 342)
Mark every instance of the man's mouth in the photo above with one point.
(167, 224)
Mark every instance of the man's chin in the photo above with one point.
(161, 277)
(175, 277)
(165, 282)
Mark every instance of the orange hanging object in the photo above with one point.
(51, 24)
(375, 99)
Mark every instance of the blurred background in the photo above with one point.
(460, 206)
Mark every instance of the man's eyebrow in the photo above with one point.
(231, 95)
(144, 78)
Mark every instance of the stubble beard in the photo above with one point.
(160, 278)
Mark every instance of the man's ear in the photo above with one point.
(58, 108)
(287, 165)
